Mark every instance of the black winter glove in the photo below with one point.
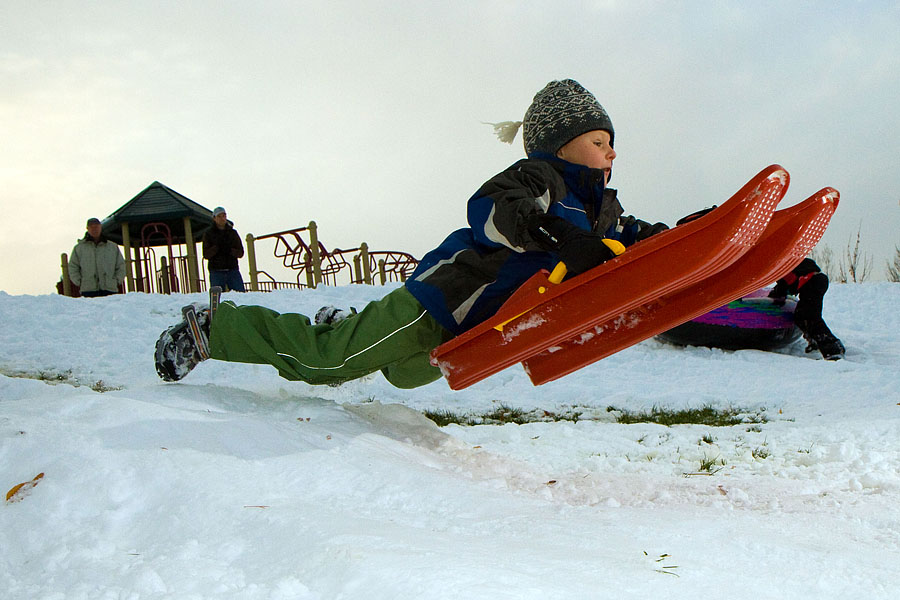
(646, 232)
(580, 250)
(643, 229)
(695, 215)
(779, 292)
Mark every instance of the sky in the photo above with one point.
(368, 117)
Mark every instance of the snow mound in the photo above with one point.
(236, 484)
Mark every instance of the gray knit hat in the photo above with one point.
(559, 113)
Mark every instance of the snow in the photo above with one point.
(235, 483)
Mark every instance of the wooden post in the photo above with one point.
(364, 259)
(138, 272)
(357, 270)
(251, 261)
(164, 273)
(381, 274)
(129, 265)
(193, 270)
(316, 257)
(310, 279)
(67, 285)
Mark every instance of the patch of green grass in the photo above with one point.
(501, 415)
(760, 453)
(705, 415)
(442, 418)
(506, 414)
(711, 465)
(51, 377)
(102, 387)
(55, 377)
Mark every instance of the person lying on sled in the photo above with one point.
(551, 206)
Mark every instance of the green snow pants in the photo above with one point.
(394, 335)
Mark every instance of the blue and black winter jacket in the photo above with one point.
(466, 279)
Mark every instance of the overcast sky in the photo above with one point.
(366, 116)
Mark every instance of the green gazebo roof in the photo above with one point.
(158, 204)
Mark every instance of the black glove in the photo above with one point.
(642, 229)
(580, 250)
(650, 230)
(779, 292)
(695, 215)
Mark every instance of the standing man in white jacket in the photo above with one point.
(97, 265)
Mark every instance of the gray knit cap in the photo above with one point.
(559, 113)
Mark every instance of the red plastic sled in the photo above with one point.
(544, 313)
(791, 235)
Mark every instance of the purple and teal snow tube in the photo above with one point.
(752, 322)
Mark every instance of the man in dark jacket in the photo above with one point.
(222, 247)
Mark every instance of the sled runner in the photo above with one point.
(789, 238)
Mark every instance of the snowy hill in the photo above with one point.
(237, 484)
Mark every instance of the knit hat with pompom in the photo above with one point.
(559, 113)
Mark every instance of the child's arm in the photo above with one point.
(498, 213)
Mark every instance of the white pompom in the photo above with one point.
(506, 130)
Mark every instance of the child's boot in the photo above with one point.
(177, 352)
(830, 347)
(819, 337)
(332, 314)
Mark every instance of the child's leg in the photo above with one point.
(412, 372)
(386, 332)
(808, 314)
(808, 317)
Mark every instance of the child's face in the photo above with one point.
(590, 149)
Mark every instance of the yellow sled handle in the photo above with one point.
(556, 277)
(558, 273)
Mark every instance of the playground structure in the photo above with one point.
(301, 251)
(159, 230)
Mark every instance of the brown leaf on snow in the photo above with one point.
(19, 491)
